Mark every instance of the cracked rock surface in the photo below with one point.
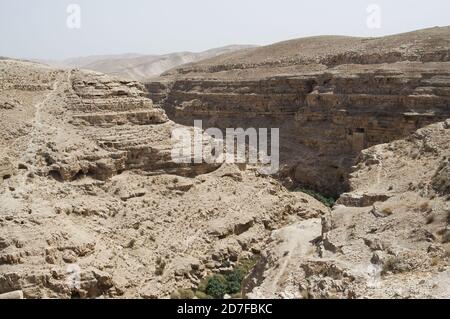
(91, 204)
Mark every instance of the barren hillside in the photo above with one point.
(315, 53)
(331, 96)
(92, 204)
(88, 189)
(387, 238)
(139, 66)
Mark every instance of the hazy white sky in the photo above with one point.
(38, 29)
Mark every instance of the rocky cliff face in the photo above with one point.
(331, 97)
(387, 238)
(92, 204)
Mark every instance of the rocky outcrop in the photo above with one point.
(92, 204)
(329, 101)
(392, 245)
(98, 100)
(6, 168)
(117, 128)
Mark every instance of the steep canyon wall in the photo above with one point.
(325, 119)
(328, 108)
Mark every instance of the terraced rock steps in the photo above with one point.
(331, 97)
(104, 101)
(117, 128)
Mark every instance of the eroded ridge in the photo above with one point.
(96, 206)
(331, 97)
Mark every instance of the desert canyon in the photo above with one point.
(360, 208)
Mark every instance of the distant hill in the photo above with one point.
(319, 52)
(140, 67)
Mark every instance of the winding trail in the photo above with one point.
(40, 129)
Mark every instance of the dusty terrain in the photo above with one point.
(140, 66)
(87, 180)
(387, 238)
(92, 205)
(331, 96)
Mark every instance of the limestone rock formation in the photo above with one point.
(331, 97)
(393, 246)
(92, 204)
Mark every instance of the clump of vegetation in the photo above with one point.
(327, 201)
(218, 285)
(202, 295)
(182, 294)
(234, 280)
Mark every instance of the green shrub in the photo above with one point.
(234, 281)
(217, 286)
(327, 201)
(246, 265)
(203, 285)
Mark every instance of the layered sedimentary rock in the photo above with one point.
(387, 238)
(99, 100)
(93, 205)
(331, 97)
